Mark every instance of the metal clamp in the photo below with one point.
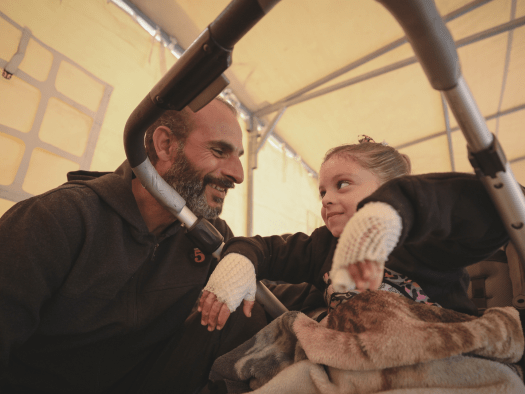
(489, 161)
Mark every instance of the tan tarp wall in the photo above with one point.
(105, 59)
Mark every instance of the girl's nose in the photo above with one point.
(327, 200)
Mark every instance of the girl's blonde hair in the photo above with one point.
(382, 160)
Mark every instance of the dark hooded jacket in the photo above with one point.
(86, 291)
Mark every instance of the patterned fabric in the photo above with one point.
(393, 282)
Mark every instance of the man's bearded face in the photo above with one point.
(185, 178)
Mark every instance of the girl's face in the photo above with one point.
(343, 183)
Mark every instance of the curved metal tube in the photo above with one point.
(432, 43)
(194, 80)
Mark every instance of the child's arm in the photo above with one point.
(449, 220)
(296, 258)
(364, 246)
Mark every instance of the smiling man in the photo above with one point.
(98, 279)
(198, 155)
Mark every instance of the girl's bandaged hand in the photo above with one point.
(233, 281)
(367, 240)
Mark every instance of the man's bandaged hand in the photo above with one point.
(367, 240)
(230, 283)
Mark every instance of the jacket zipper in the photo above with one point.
(135, 311)
(154, 250)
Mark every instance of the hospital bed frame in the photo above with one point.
(197, 78)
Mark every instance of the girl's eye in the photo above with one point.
(322, 193)
(342, 184)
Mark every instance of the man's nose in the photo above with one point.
(233, 170)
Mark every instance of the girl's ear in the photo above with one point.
(164, 143)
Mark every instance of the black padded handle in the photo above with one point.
(430, 39)
(202, 64)
(237, 18)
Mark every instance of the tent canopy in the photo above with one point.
(333, 69)
(363, 75)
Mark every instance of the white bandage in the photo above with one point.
(371, 234)
(233, 281)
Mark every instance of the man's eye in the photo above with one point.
(219, 152)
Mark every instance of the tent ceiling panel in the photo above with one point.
(482, 18)
(519, 171)
(365, 108)
(520, 8)
(511, 134)
(482, 65)
(514, 88)
(302, 41)
(429, 156)
(459, 147)
(398, 54)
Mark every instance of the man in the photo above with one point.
(97, 278)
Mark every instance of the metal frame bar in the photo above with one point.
(270, 128)
(449, 132)
(454, 129)
(507, 62)
(501, 186)
(252, 164)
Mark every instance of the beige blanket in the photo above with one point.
(380, 342)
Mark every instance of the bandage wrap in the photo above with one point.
(233, 281)
(371, 234)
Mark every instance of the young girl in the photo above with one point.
(426, 229)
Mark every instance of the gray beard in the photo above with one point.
(185, 179)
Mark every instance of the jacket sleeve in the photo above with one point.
(449, 220)
(294, 258)
(35, 257)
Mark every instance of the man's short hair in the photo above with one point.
(181, 125)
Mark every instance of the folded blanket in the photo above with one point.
(380, 342)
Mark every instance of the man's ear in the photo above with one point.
(164, 143)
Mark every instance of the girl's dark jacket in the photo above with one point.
(86, 291)
(449, 222)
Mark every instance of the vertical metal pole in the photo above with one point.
(252, 165)
(265, 297)
(501, 186)
(449, 132)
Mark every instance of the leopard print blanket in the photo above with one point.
(380, 342)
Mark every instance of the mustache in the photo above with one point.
(221, 182)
